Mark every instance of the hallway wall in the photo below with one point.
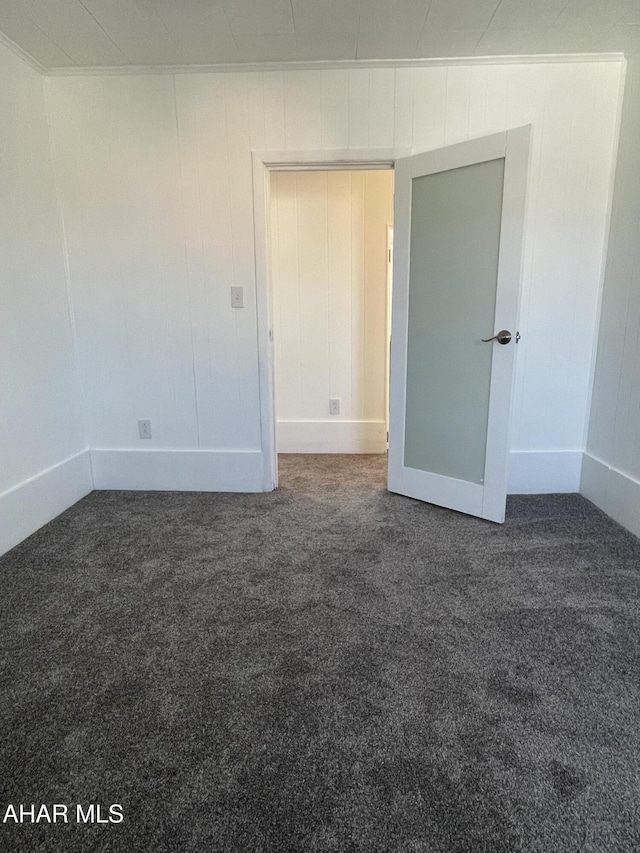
(329, 281)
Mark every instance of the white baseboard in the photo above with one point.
(331, 436)
(544, 472)
(178, 470)
(36, 501)
(31, 504)
(616, 493)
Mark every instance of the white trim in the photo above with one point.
(332, 166)
(36, 501)
(387, 336)
(264, 311)
(447, 491)
(263, 163)
(544, 472)
(20, 52)
(615, 492)
(320, 65)
(325, 159)
(455, 156)
(178, 470)
(331, 436)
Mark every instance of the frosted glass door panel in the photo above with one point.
(453, 268)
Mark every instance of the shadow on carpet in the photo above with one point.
(329, 667)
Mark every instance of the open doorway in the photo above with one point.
(451, 385)
(330, 267)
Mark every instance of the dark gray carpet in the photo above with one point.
(326, 668)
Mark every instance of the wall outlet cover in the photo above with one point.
(144, 428)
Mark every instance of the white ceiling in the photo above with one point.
(87, 33)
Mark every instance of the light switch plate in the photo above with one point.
(237, 297)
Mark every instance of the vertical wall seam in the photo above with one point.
(605, 255)
(67, 276)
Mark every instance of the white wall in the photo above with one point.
(611, 471)
(156, 186)
(329, 280)
(43, 465)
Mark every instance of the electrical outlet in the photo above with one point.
(237, 297)
(144, 429)
(334, 407)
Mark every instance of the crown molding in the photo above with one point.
(26, 57)
(257, 67)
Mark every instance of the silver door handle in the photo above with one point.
(503, 337)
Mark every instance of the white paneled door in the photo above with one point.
(458, 225)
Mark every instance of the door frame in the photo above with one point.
(265, 162)
(389, 284)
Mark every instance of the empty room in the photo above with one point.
(320, 425)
